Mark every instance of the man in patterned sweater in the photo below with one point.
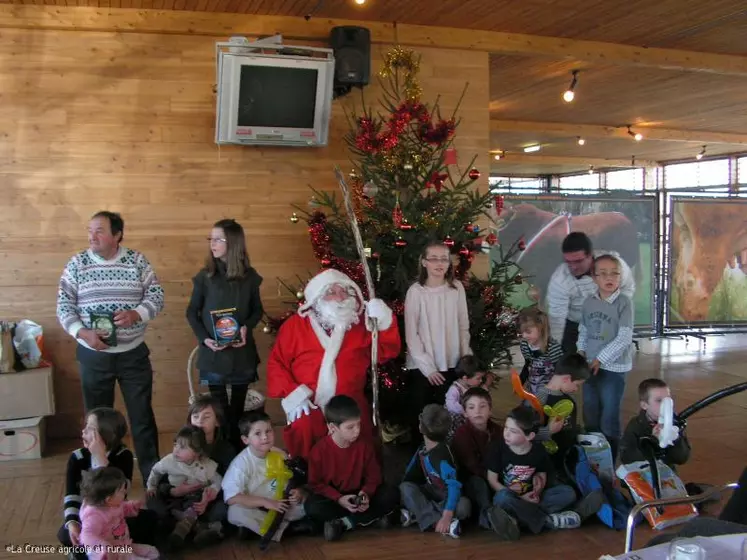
(110, 280)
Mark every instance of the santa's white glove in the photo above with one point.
(298, 403)
(304, 408)
(377, 309)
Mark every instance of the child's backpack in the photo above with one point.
(614, 512)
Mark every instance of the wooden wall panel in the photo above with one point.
(94, 120)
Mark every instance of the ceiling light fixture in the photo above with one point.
(535, 148)
(360, 2)
(499, 155)
(701, 153)
(591, 170)
(636, 135)
(580, 141)
(570, 94)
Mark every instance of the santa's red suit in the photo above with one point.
(310, 364)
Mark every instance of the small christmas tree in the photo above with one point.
(406, 194)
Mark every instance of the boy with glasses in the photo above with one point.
(605, 338)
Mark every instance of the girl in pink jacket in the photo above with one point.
(104, 531)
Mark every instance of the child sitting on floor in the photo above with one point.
(520, 472)
(345, 477)
(470, 446)
(102, 446)
(468, 375)
(651, 392)
(189, 465)
(431, 492)
(105, 534)
(250, 490)
(205, 413)
(569, 375)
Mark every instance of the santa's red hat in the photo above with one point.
(318, 285)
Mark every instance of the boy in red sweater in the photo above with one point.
(345, 477)
(470, 446)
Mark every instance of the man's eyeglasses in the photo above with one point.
(216, 239)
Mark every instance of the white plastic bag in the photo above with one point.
(28, 343)
(599, 454)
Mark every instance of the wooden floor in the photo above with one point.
(31, 491)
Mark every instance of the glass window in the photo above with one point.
(585, 182)
(742, 170)
(697, 174)
(516, 185)
(625, 180)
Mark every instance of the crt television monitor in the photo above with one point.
(274, 100)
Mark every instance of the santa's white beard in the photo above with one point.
(337, 314)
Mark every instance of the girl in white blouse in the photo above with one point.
(436, 327)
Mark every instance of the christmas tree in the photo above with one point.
(408, 191)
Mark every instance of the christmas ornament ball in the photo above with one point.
(474, 174)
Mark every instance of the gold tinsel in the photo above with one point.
(357, 196)
(397, 59)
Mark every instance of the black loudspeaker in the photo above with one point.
(352, 46)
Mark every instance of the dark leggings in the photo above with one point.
(423, 393)
(233, 409)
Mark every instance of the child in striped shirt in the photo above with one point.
(541, 352)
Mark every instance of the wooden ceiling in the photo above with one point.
(529, 88)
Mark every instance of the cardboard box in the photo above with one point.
(26, 394)
(22, 439)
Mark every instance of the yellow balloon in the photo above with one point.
(277, 470)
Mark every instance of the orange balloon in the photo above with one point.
(523, 394)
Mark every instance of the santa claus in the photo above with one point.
(323, 351)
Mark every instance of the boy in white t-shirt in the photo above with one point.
(249, 490)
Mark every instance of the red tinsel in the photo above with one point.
(465, 263)
(319, 237)
(372, 140)
(398, 307)
(439, 133)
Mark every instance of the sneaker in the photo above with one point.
(180, 532)
(207, 534)
(333, 530)
(406, 518)
(589, 505)
(302, 527)
(455, 529)
(565, 520)
(384, 522)
(503, 525)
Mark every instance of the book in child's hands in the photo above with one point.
(103, 325)
(225, 326)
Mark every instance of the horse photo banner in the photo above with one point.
(625, 225)
(708, 261)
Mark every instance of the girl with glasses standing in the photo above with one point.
(227, 284)
(436, 328)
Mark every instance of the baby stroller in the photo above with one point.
(653, 451)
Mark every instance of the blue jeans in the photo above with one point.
(534, 516)
(603, 394)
